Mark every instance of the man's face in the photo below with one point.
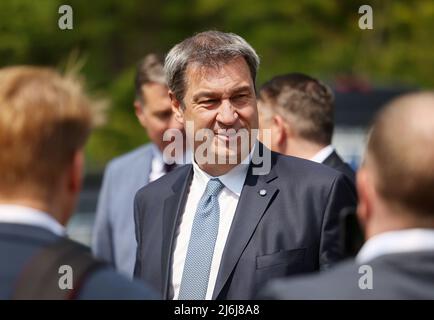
(219, 99)
(156, 115)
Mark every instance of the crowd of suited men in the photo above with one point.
(198, 230)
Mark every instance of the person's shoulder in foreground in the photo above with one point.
(394, 276)
(25, 246)
(107, 284)
(104, 283)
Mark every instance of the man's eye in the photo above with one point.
(210, 101)
(240, 96)
(164, 116)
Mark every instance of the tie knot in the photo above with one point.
(214, 187)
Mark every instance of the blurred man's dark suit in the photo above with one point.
(18, 245)
(395, 276)
(291, 229)
(336, 162)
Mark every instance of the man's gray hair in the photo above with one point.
(209, 49)
(149, 70)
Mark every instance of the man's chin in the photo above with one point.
(227, 156)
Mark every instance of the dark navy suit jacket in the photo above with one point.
(336, 162)
(292, 229)
(19, 243)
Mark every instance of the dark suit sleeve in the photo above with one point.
(342, 195)
(106, 284)
(137, 224)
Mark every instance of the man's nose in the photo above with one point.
(226, 113)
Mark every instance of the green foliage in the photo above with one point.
(314, 36)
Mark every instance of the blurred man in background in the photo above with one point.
(45, 120)
(299, 110)
(396, 208)
(113, 234)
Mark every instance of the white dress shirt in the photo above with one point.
(157, 165)
(29, 216)
(323, 154)
(228, 200)
(400, 241)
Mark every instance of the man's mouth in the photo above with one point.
(226, 136)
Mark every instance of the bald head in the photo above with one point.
(400, 152)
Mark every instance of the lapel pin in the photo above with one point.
(262, 192)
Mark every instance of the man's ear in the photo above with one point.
(176, 108)
(280, 130)
(364, 192)
(140, 114)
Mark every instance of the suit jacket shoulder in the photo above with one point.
(165, 182)
(156, 191)
(298, 168)
(392, 276)
(126, 161)
(311, 175)
(20, 243)
(336, 162)
(106, 284)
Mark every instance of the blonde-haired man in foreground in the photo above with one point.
(45, 120)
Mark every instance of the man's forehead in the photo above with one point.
(155, 89)
(234, 74)
(156, 96)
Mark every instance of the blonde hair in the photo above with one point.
(44, 119)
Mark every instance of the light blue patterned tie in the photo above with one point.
(194, 283)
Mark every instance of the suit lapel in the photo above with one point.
(250, 209)
(173, 206)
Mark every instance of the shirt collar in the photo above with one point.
(30, 216)
(158, 158)
(323, 154)
(399, 241)
(233, 180)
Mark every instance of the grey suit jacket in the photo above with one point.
(394, 276)
(19, 243)
(113, 237)
(293, 228)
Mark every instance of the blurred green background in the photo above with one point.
(319, 37)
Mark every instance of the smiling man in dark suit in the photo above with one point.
(221, 229)
(299, 111)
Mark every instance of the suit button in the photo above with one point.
(262, 192)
